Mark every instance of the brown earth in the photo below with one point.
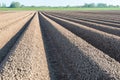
(60, 45)
(103, 19)
(108, 43)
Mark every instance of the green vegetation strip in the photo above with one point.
(57, 8)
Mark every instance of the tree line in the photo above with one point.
(86, 5)
(12, 5)
(99, 5)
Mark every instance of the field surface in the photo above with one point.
(56, 8)
(60, 45)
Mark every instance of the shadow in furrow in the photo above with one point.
(109, 23)
(93, 25)
(7, 47)
(59, 54)
(106, 43)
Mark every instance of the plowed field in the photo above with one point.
(60, 45)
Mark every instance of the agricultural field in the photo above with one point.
(56, 8)
(60, 45)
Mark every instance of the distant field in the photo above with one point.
(60, 8)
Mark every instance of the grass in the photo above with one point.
(57, 8)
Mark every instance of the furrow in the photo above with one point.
(79, 17)
(27, 60)
(11, 34)
(12, 22)
(101, 22)
(14, 19)
(99, 17)
(108, 43)
(72, 58)
(10, 16)
(105, 28)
